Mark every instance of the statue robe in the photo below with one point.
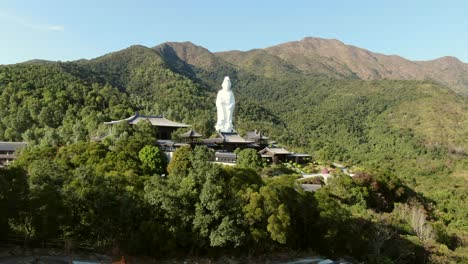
(225, 103)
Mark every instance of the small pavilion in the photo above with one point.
(258, 138)
(190, 137)
(279, 155)
(276, 154)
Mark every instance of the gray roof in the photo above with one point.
(191, 134)
(227, 137)
(213, 140)
(301, 155)
(165, 142)
(275, 151)
(11, 146)
(233, 138)
(255, 136)
(155, 121)
(226, 154)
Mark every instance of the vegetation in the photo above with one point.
(91, 192)
(408, 137)
(249, 158)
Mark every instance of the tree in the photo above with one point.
(278, 224)
(380, 232)
(266, 215)
(217, 213)
(13, 198)
(180, 162)
(46, 209)
(416, 216)
(249, 158)
(153, 160)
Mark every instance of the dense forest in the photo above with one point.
(406, 141)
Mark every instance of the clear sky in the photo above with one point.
(69, 30)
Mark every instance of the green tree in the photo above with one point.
(46, 210)
(180, 162)
(249, 158)
(153, 160)
(14, 192)
(267, 217)
(216, 215)
(278, 225)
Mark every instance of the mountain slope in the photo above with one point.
(286, 75)
(307, 95)
(260, 62)
(336, 102)
(335, 59)
(180, 80)
(196, 63)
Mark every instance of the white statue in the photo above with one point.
(225, 103)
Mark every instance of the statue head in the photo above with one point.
(226, 84)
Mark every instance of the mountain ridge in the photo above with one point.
(310, 56)
(326, 57)
(350, 61)
(306, 96)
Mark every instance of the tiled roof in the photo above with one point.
(227, 137)
(170, 143)
(155, 121)
(226, 154)
(275, 151)
(301, 155)
(255, 136)
(233, 138)
(213, 140)
(191, 134)
(11, 146)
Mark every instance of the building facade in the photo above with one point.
(8, 152)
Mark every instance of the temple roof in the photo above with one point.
(159, 121)
(191, 134)
(11, 146)
(212, 141)
(233, 138)
(255, 135)
(300, 155)
(274, 151)
(170, 143)
(227, 137)
(226, 155)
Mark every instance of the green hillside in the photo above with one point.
(406, 134)
(352, 121)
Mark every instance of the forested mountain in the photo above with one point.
(384, 114)
(285, 90)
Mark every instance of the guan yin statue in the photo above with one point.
(225, 103)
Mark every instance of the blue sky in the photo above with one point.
(69, 30)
